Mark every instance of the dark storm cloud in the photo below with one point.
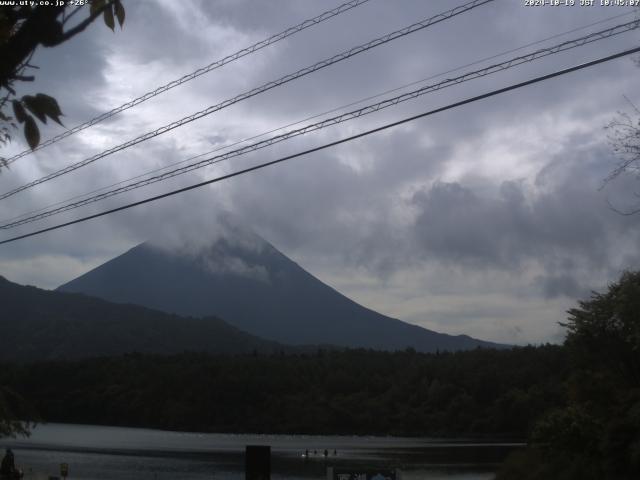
(565, 226)
(558, 285)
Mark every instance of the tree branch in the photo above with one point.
(30, 34)
(41, 27)
(68, 17)
(84, 24)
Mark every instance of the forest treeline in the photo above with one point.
(577, 404)
(479, 392)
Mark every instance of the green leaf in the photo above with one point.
(31, 132)
(96, 5)
(119, 9)
(18, 111)
(35, 106)
(49, 106)
(108, 18)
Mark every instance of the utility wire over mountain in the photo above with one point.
(195, 74)
(366, 110)
(332, 144)
(261, 89)
(312, 117)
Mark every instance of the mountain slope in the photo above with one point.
(42, 325)
(253, 286)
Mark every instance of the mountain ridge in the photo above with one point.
(41, 324)
(253, 286)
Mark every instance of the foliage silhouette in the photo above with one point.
(25, 27)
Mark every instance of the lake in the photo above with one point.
(98, 452)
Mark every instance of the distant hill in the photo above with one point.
(246, 281)
(44, 325)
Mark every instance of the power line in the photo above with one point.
(318, 115)
(201, 71)
(263, 88)
(331, 144)
(366, 110)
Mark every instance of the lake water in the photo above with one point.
(97, 452)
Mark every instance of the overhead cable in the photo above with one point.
(330, 144)
(258, 90)
(312, 117)
(195, 74)
(366, 110)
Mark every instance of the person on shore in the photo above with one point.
(8, 466)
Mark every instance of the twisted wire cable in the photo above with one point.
(314, 116)
(372, 131)
(258, 90)
(541, 53)
(201, 71)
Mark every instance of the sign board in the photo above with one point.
(361, 474)
(257, 462)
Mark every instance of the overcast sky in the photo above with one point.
(488, 220)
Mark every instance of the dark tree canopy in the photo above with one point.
(606, 328)
(23, 28)
(596, 435)
(13, 412)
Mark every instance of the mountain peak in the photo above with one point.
(243, 279)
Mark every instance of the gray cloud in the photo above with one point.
(559, 285)
(564, 226)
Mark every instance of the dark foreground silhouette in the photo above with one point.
(8, 468)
